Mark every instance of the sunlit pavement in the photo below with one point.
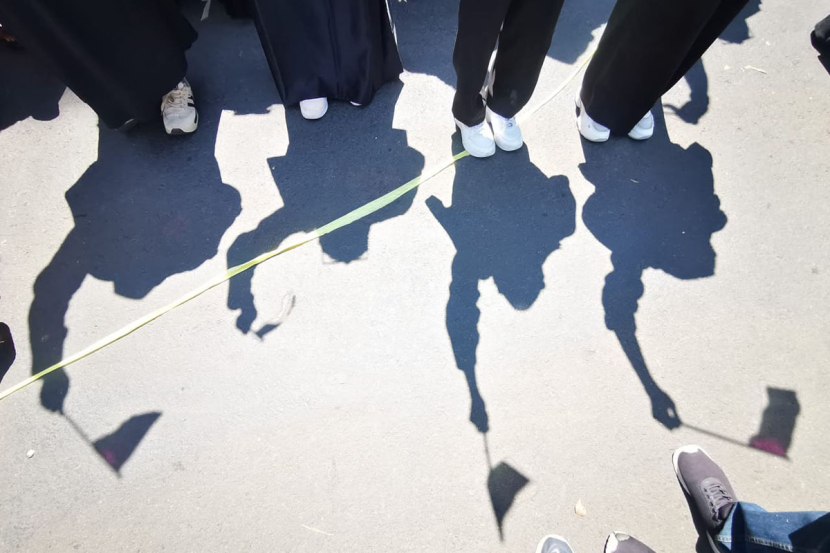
(606, 304)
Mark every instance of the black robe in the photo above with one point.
(120, 57)
(337, 49)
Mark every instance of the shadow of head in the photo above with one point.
(336, 165)
(506, 218)
(148, 208)
(153, 205)
(654, 204)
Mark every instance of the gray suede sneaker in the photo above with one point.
(554, 544)
(706, 485)
(619, 542)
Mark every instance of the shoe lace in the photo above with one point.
(177, 98)
(718, 497)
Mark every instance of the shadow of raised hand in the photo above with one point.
(506, 218)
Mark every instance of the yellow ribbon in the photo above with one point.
(347, 219)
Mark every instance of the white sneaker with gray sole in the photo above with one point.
(178, 110)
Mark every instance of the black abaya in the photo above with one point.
(647, 46)
(118, 57)
(336, 49)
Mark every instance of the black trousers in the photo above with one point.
(648, 46)
(523, 30)
(118, 57)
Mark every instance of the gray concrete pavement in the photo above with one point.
(345, 427)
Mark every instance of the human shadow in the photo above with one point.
(152, 205)
(506, 218)
(331, 167)
(27, 88)
(654, 206)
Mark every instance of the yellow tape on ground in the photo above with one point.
(359, 213)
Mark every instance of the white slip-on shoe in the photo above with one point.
(314, 108)
(477, 140)
(644, 129)
(588, 128)
(178, 111)
(506, 131)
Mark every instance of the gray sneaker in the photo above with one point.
(706, 485)
(554, 544)
(623, 543)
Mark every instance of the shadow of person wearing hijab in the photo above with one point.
(150, 207)
(331, 167)
(654, 206)
(506, 218)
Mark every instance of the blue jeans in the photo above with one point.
(751, 529)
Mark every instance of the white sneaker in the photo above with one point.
(506, 131)
(588, 128)
(314, 108)
(477, 140)
(178, 110)
(644, 129)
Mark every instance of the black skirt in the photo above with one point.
(118, 57)
(337, 49)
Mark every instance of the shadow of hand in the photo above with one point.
(478, 415)
(663, 409)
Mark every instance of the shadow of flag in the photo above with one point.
(116, 448)
(777, 422)
(504, 483)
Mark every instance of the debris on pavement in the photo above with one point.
(753, 68)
